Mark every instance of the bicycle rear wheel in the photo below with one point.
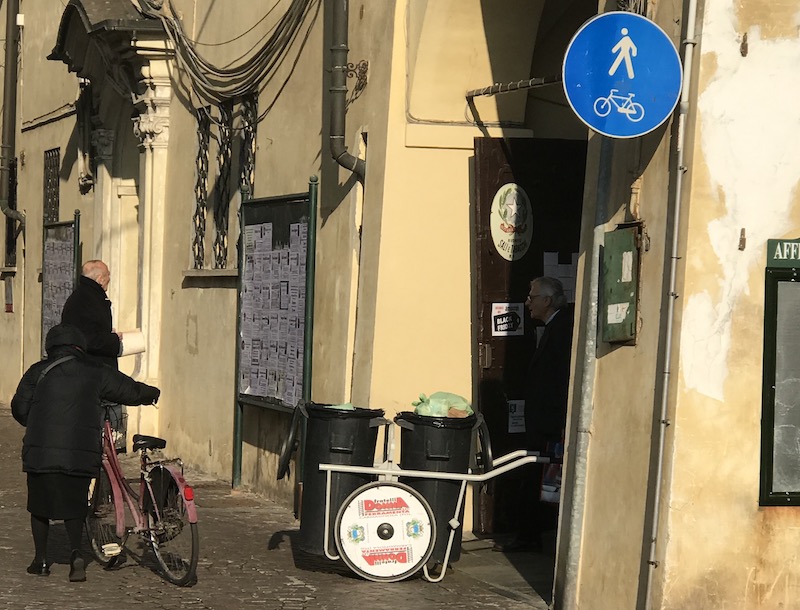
(175, 541)
(101, 522)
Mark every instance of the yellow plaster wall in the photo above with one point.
(626, 389)
(723, 550)
(45, 92)
(292, 145)
(626, 380)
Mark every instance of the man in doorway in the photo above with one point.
(89, 309)
(546, 389)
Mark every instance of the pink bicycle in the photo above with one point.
(163, 511)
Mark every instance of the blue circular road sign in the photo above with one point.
(622, 74)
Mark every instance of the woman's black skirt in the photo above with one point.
(58, 496)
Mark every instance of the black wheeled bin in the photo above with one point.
(437, 444)
(333, 436)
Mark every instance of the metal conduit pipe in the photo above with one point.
(567, 578)
(690, 42)
(9, 133)
(338, 90)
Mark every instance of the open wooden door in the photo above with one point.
(529, 195)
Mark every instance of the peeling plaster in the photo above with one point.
(749, 121)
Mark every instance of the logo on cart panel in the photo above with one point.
(511, 221)
(414, 529)
(389, 506)
(356, 534)
(389, 555)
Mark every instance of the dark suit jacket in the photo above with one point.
(89, 309)
(547, 382)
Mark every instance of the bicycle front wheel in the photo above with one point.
(602, 106)
(175, 541)
(101, 522)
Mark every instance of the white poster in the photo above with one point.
(516, 416)
(508, 319)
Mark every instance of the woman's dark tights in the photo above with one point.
(40, 527)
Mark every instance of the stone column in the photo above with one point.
(151, 126)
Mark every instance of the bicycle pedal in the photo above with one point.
(112, 549)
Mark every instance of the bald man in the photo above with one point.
(89, 308)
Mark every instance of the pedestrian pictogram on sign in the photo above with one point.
(622, 74)
(625, 49)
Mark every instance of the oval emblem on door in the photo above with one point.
(511, 221)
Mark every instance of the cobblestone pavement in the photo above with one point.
(247, 560)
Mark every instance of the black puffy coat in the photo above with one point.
(62, 412)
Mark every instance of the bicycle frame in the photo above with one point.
(122, 490)
(620, 101)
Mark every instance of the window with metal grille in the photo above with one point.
(52, 166)
(229, 175)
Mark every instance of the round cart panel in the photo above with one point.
(385, 531)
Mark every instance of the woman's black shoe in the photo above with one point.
(77, 567)
(39, 568)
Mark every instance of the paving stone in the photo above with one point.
(248, 559)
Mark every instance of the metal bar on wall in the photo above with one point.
(76, 248)
(238, 411)
(308, 347)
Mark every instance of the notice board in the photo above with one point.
(275, 294)
(60, 269)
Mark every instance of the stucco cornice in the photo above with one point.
(108, 42)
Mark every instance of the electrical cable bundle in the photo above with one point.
(256, 69)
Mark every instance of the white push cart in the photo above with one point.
(385, 531)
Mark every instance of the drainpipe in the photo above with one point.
(690, 43)
(9, 133)
(338, 92)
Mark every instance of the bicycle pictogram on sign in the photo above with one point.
(624, 104)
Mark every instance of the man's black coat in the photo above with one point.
(89, 309)
(547, 382)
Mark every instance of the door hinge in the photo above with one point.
(485, 355)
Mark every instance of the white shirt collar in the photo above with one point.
(553, 315)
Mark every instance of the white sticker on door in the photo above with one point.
(511, 222)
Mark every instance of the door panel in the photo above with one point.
(522, 232)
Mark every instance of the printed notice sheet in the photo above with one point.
(272, 317)
(58, 274)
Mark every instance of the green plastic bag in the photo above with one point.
(442, 404)
(345, 407)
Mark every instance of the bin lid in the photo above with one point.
(456, 423)
(322, 411)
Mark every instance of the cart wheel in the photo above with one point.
(289, 444)
(484, 456)
(385, 531)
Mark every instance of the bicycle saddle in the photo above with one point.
(142, 441)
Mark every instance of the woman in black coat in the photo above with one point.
(58, 401)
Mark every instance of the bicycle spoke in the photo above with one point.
(101, 522)
(174, 540)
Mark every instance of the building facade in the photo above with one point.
(157, 120)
